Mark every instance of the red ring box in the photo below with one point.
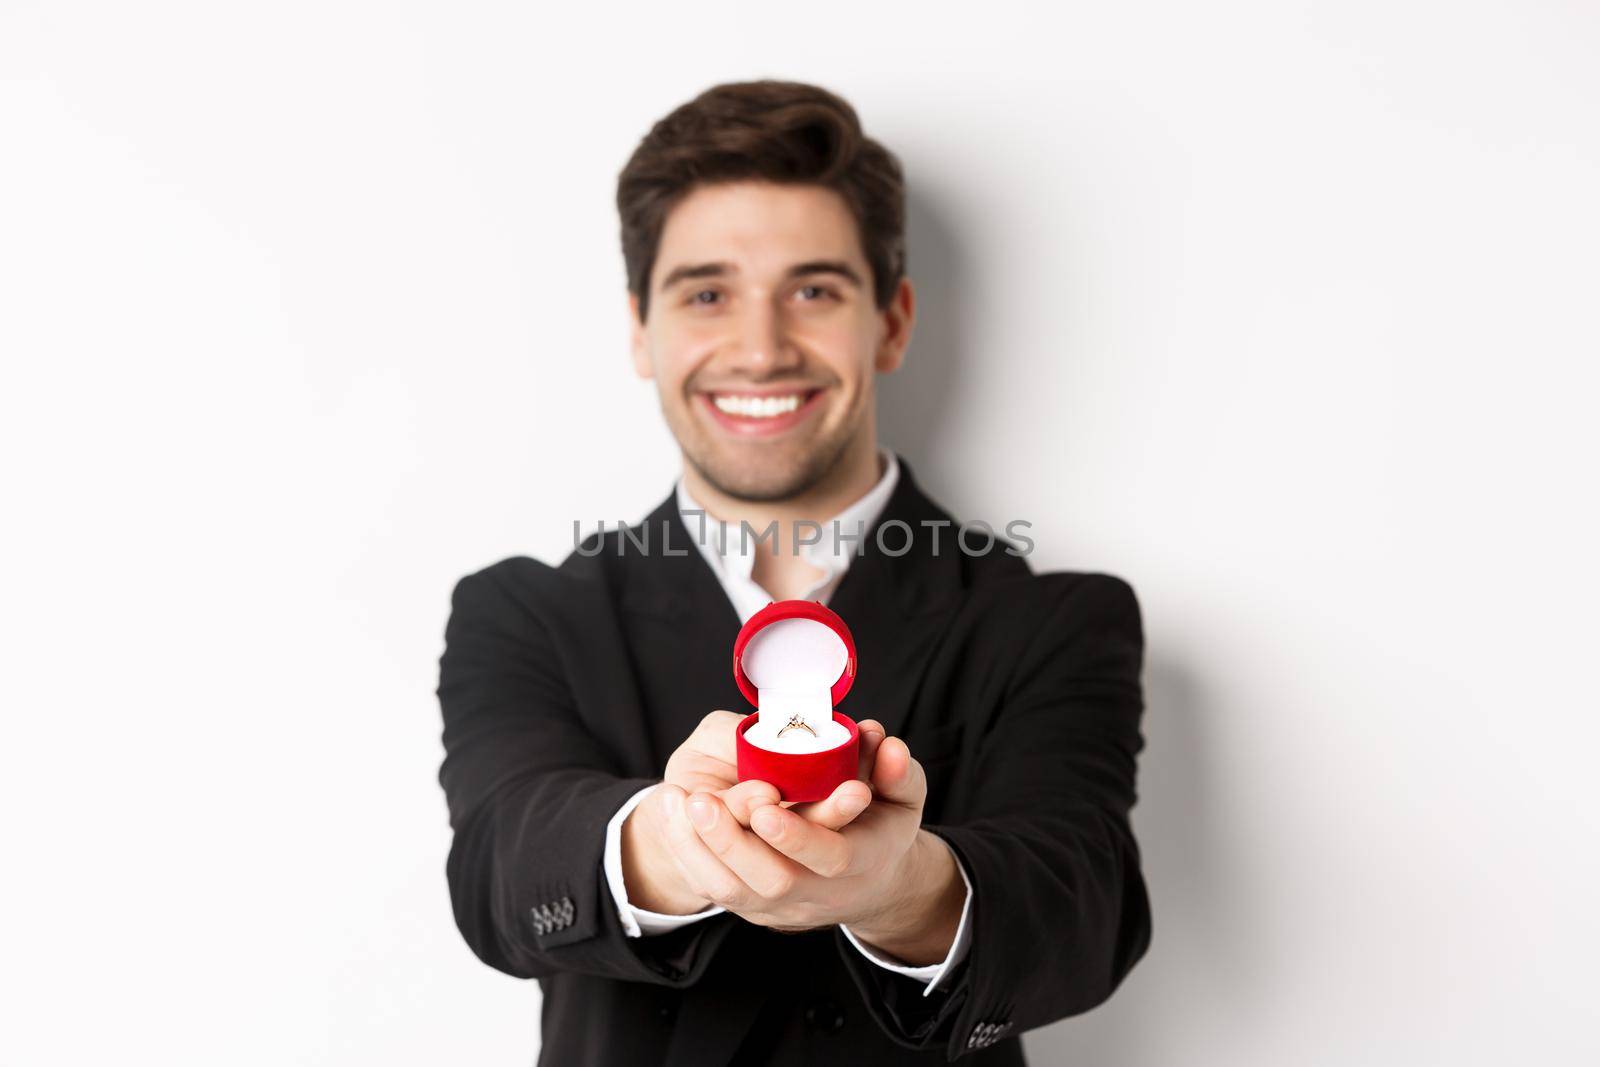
(798, 776)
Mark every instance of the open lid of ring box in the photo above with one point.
(794, 660)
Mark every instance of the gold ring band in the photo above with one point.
(797, 722)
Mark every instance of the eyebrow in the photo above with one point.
(799, 270)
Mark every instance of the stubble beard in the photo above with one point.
(769, 483)
(743, 478)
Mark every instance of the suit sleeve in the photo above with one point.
(1060, 912)
(530, 792)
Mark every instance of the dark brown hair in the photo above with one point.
(779, 131)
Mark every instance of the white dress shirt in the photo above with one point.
(732, 559)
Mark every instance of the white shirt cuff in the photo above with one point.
(637, 922)
(933, 973)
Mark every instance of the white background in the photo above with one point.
(1284, 312)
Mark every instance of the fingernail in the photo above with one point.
(852, 805)
(702, 814)
(672, 803)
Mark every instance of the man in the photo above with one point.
(981, 877)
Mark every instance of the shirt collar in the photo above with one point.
(724, 548)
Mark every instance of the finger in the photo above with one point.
(761, 869)
(701, 779)
(745, 797)
(871, 735)
(700, 867)
(817, 848)
(896, 777)
(693, 769)
(838, 808)
(716, 736)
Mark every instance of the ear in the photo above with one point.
(636, 340)
(897, 320)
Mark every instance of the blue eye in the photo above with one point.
(813, 291)
(697, 297)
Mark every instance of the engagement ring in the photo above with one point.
(797, 722)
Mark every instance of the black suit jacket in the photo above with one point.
(564, 690)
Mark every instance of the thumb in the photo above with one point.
(896, 777)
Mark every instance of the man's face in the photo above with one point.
(763, 337)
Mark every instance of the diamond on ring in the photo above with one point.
(797, 722)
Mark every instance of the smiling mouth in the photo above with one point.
(753, 414)
(762, 405)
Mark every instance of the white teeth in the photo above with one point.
(757, 407)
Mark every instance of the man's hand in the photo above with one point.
(657, 870)
(896, 886)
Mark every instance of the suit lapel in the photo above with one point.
(896, 606)
(669, 578)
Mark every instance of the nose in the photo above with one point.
(762, 348)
